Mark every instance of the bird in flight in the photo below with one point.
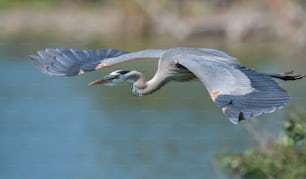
(239, 91)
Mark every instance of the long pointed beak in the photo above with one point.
(106, 79)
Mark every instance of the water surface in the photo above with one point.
(54, 127)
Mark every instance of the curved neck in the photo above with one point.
(141, 87)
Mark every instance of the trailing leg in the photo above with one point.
(291, 75)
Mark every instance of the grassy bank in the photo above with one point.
(284, 158)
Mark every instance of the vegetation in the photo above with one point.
(232, 21)
(284, 158)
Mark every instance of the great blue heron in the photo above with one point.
(239, 91)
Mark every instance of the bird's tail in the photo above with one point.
(291, 75)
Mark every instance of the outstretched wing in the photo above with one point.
(72, 62)
(239, 91)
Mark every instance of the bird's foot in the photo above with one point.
(291, 75)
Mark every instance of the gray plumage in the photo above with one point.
(239, 91)
(71, 62)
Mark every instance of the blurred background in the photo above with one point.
(60, 128)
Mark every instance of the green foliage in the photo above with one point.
(285, 158)
(47, 3)
(23, 3)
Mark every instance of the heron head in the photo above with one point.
(113, 78)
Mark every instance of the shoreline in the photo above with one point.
(233, 26)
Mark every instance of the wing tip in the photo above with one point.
(42, 66)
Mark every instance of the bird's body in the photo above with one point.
(239, 91)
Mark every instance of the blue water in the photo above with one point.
(53, 127)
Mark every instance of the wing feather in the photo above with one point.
(239, 91)
(72, 62)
